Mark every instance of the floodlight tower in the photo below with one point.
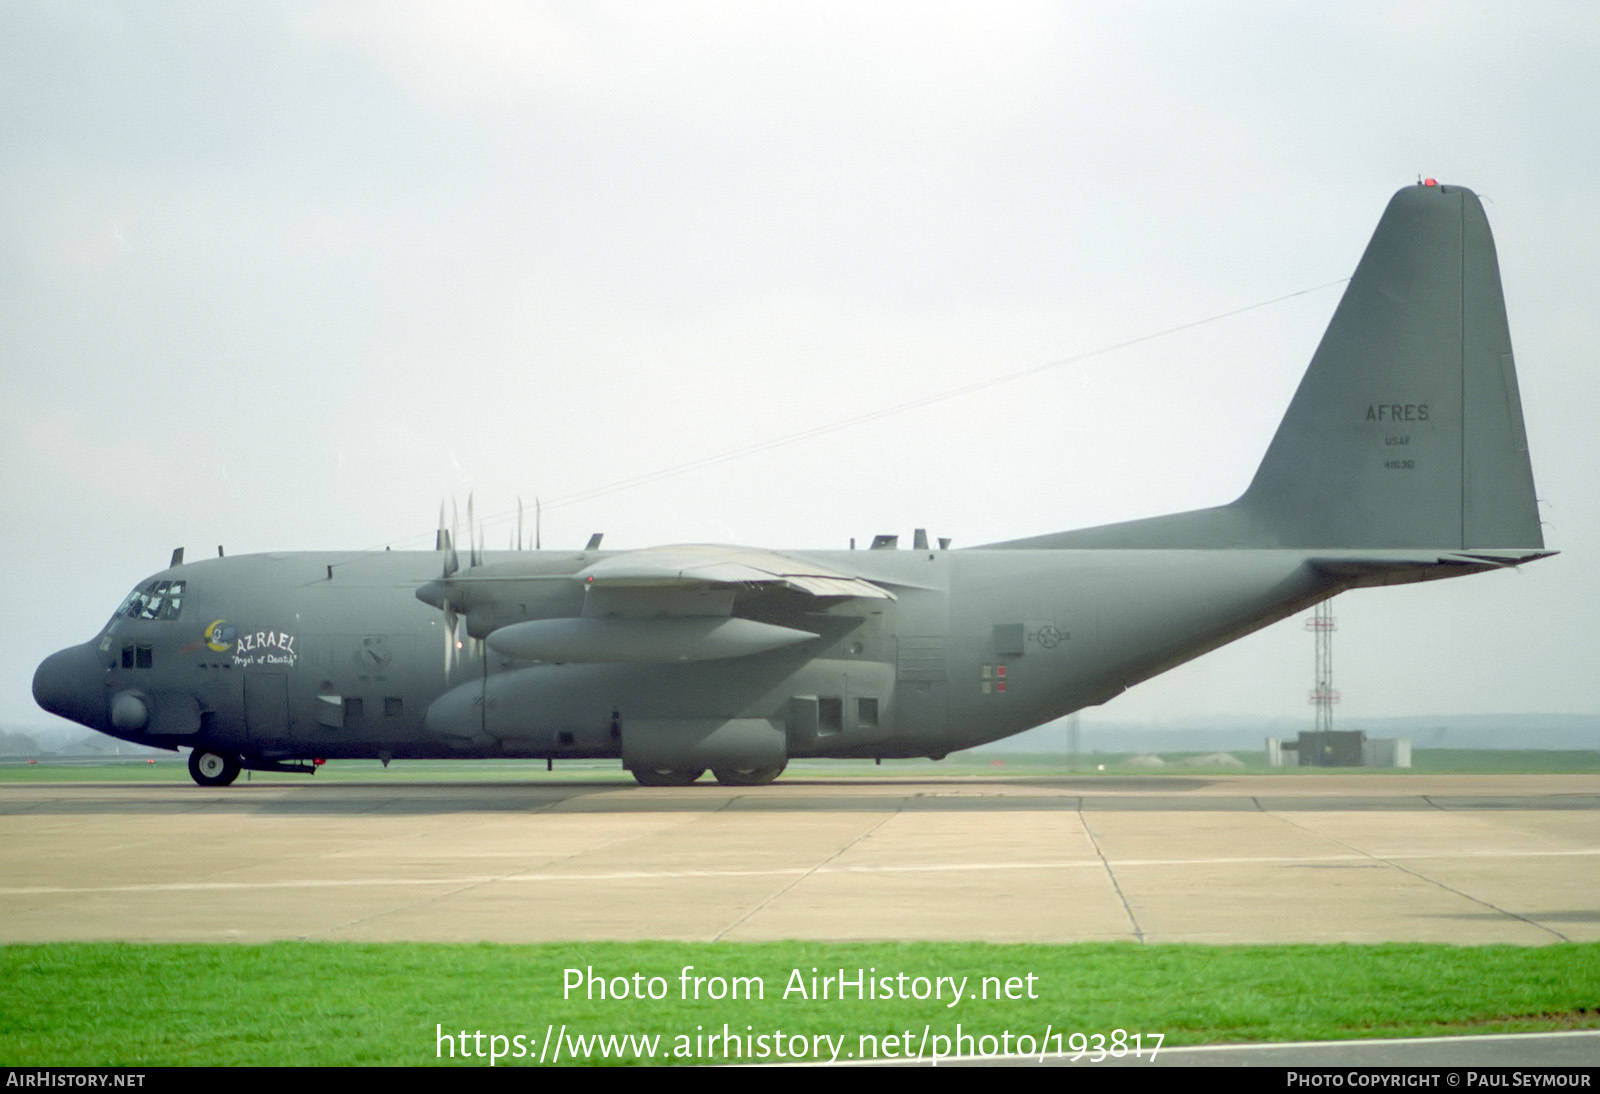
(1322, 625)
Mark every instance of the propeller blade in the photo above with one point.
(444, 542)
(455, 536)
(449, 638)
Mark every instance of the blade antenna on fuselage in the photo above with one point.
(474, 533)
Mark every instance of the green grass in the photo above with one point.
(115, 1004)
(1527, 761)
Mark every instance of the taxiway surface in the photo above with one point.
(1361, 858)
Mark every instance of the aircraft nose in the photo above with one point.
(70, 683)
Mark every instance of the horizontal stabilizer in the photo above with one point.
(1405, 567)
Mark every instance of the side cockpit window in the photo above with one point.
(157, 600)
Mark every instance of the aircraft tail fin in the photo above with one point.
(1407, 429)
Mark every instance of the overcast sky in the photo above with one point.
(283, 275)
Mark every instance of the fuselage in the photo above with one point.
(333, 655)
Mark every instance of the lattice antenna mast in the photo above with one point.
(1323, 696)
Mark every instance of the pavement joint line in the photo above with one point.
(433, 898)
(800, 872)
(817, 868)
(1478, 900)
(1133, 920)
(1393, 861)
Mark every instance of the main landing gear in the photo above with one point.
(747, 776)
(667, 776)
(727, 776)
(210, 768)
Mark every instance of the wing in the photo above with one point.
(659, 604)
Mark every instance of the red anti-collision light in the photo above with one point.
(1430, 182)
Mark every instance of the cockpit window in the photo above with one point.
(157, 600)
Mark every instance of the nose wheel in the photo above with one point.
(213, 768)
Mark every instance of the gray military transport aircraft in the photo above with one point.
(1402, 458)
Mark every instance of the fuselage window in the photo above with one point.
(142, 658)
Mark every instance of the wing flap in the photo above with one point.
(698, 565)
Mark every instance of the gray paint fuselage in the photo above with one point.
(976, 645)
